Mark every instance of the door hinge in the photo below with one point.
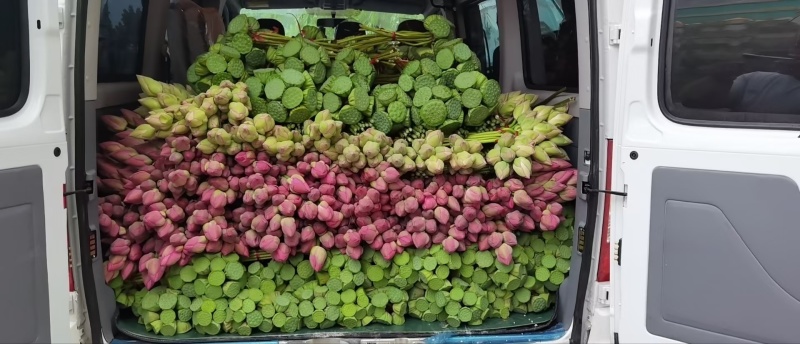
(618, 252)
(586, 188)
(89, 189)
(614, 34)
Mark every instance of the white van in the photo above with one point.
(685, 140)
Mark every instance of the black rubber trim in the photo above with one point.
(82, 199)
(25, 61)
(665, 102)
(594, 171)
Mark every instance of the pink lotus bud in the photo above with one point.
(308, 211)
(154, 219)
(176, 214)
(298, 185)
(555, 208)
(324, 212)
(165, 231)
(428, 203)
(430, 225)
(177, 239)
(218, 199)
(317, 258)
(389, 236)
(514, 219)
(327, 190)
(470, 213)
(354, 252)
(287, 208)
(472, 195)
(245, 158)
(504, 254)
(281, 255)
(368, 233)
(120, 247)
(288, 226)
(320, 170)
(241, 249)
(109, 274)
(352, 238)
(404, 239)
(510, 238)
(307, 234)
(229, 235)
(128, 270)
(269, 243)
(420, 239)
(475, 227)
(134, 196)
(135, 252)
(212, 231)
(388, 250)
(344, 194)
(390, 175)
(450, 244)
(528, 224)
(169, 256)
(495, 240)
(493, 210)
(567, 195)
(380, 185)
(442, 215)
(251, 239)
(453, 205)
(196, 244)
(327, 240)
(549, 221)
(461, 222)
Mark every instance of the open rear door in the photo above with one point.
(33, 243)
(706, 143)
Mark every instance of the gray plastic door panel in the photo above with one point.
(23, 266)
(724, 261)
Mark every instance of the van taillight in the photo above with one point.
(603, 269)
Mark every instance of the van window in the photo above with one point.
(732, 61)
(13, 56)
(484, 39)
(549, 44)
(122, 28)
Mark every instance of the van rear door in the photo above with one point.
(706, 143)
(33, 247)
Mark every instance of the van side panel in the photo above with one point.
(723, 257)
(23, 264)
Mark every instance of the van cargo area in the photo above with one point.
(348, 211)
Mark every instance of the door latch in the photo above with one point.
(586, 188)
(89, 189)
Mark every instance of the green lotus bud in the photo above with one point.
(443, 153)
(160, 120)
(408, 164)
(149, 86)
(558, 119)
(199, 131)
(544, 128)
(223, 97)
(166, 100)
(271, 145)
(213, 91)
(434, 138)
(528, 121)
(426, 151)
(462, 160)
(459, 145)
(285, 147)
(478, 161)
(493, 156)
(521, 109)
(340, 145)
(239, 95)
(209, 107)
(206, 146)
(237, 111)
(247, 132)
(420, 163)
(150, 103)
(507, 154)
(282, 133)
(163, 134)
(213, 122)
(542, 112)
(522, 167)
(540, 155)
(375, 161)
(311, 130)
(351, 153)
(522, 151)
(434, 165)
(264, 123)
(233, 149)
(180, 128)
(396, 160)
(549, 147)
(323, 115)
(475, 146)
(371, 149)
(144, 132)
(196, 118)
(531, 137)
(299, 150)
(327, 128)
(561, 140)
(502, 170)
(322, 145)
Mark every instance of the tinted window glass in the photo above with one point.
(549, 43)
(483, 39)
(13, 56)
(733, 60)
(122, 27)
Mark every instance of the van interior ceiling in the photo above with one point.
(161, 39)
